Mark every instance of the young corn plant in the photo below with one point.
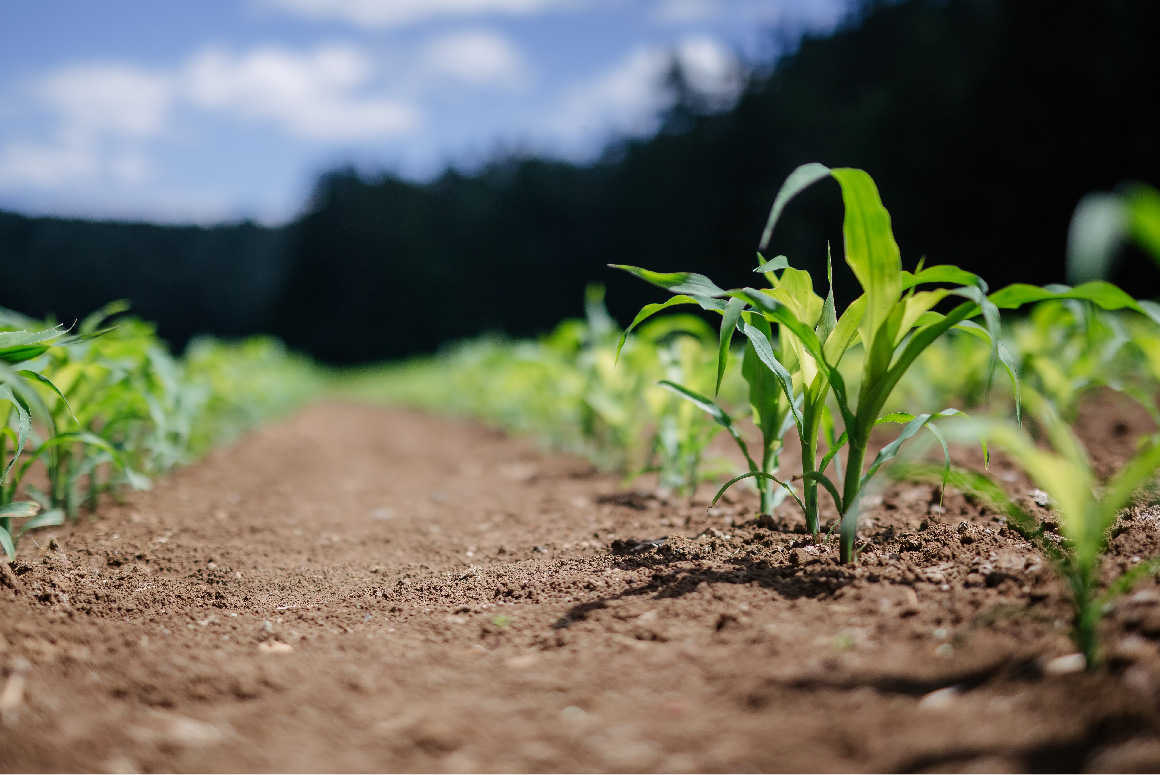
(769, 410)
(1065, 349)
(1087, 508)
(682, 432)
(19, 404)
(893, 321)
(15, 397)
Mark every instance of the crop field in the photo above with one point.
(754, 530)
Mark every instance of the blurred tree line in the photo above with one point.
(983, 122)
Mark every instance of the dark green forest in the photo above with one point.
(982, 121)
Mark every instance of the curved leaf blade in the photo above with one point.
(799, 180)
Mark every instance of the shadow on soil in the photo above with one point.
(789, 581)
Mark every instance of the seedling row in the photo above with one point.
(917, 350)
(104, 405)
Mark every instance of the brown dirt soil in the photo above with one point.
(364, 589)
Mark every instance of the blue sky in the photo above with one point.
(227, 109)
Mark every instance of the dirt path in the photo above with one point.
(365, 589)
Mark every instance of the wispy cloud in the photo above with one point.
(474, 57)
(629, 96)
(319, 95)
(100, 112)
(46, 165)
(117, 99)
(400, 13)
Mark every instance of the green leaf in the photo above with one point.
(755, 474)
(136, 480)
(1127, 480)
(6, 543)
(912, 427)
(1128, 579)
(675, 282)
(709, 407)
(1102, 294)
(703, 403)
(780, 313)
(764, 352)
(765, 390)
(19, 509)
(780, 262)
(822, 479)
(1144, 207)
(828, 320)
(845, 330)
(834, 449)
(23, 427)
(1097, 229)
(9, 339)
(37, 376)
(940, 274)
(799, 180)
(52, 518)
(23, 353)
(91, 323)
(879, 391)
(651, 309)
(728, 324)
(870, 248)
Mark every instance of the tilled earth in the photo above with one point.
(366, 589)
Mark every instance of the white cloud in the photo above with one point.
(46, 166)
(399, 13)
(314, 95)
(476, 58)
(97, 109)
(68, 161)
(622, 97)
(628, 97)
(711, 68)
(115, 99)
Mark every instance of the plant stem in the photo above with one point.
(765, 487)
(1087, 615)
(810, 499)
(849, 527)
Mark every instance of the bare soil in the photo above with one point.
(365, 589)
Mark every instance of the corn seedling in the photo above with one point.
(682, 433)
(1087, 509)
(19, 403)
(1067, 348)
(893, 320)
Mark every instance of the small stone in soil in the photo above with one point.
(572, 714)
(274, 647)
(940, 699)
(1068, 663)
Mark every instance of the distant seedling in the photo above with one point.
(1087, 508)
